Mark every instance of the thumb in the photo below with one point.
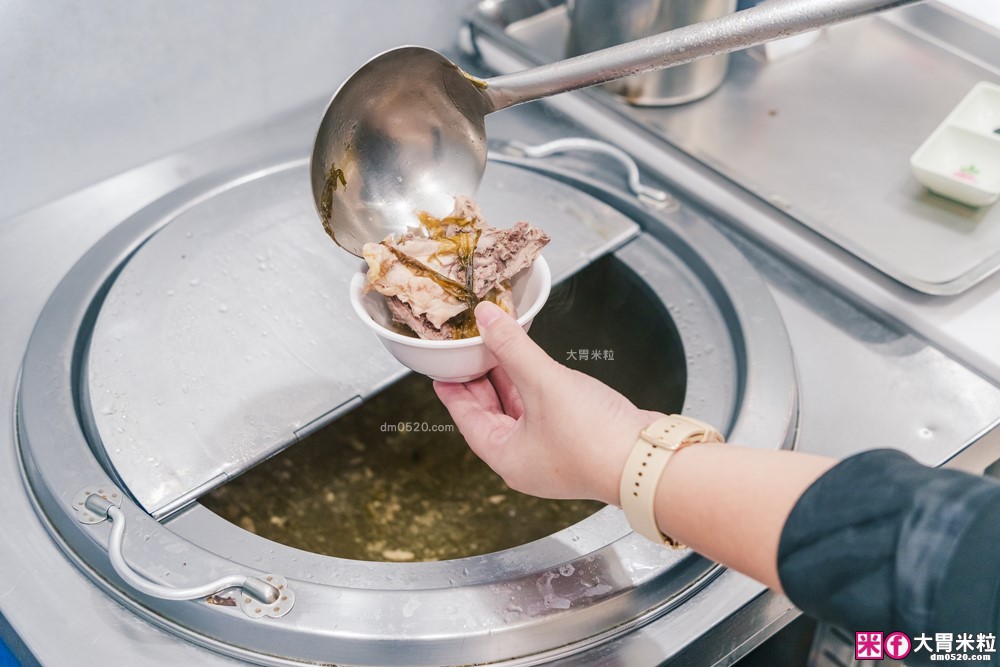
(527, 364)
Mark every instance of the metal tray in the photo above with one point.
(824, 135)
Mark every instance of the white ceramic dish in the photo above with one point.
(448, 360)
(961, 158)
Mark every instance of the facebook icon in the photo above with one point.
(897, 645)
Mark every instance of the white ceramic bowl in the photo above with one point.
(449, 360)
(961, 158)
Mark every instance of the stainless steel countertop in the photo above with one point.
(44, 580)
(799, 133)
(963, 324)
(91, 91)
(876, 359)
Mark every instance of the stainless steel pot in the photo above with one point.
(598, 24)
(179, 352)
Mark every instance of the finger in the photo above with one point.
(482, 428)
(482, 388)
(510, 399)
(526, 364)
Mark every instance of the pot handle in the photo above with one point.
(650, 197)
(257, 597)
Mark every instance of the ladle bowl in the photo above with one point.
(407, 133)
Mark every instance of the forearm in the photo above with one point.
(884, 542)
(730, 503)
(879, 541)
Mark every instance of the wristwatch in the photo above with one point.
(644, 467)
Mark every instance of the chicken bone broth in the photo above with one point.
(392, 480)
(434, 276)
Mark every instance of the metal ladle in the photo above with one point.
(406, 132)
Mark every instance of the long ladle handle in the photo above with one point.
(741, 30)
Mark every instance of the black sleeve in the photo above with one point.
(882, 543)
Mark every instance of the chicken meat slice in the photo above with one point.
(423, 275)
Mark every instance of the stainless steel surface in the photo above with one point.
(598, 24)
(241, 258)
(725, 34)
(719, 623)
(353, 611)
(826, 136)
(964, 324)
(649, 196)
(725, 618)
(918, 416)
(407, 132)
(833, 647)
(265, 593)
(89, 509)
(861, 339)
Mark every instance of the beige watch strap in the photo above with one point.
(645, 465)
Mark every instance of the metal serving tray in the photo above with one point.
(825, 135)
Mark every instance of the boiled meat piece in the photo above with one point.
(503, 253)
(424, 274)
(425, 296)
(421, 326)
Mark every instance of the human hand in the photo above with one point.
(547, 430)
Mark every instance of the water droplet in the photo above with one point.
(170, 292)
(194, 282)
(925, 432)
(223, 308)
